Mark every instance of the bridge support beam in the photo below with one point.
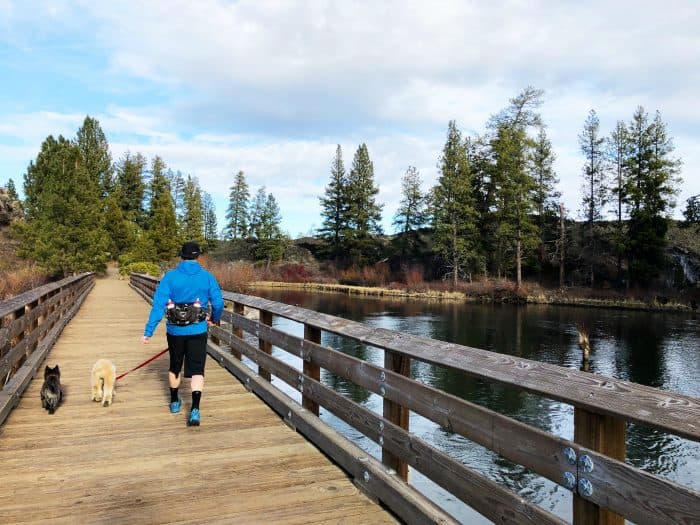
(605, 434)
(311, 370)
(394, 412)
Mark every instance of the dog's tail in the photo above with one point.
(51, 400)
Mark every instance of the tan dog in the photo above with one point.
(103, 377)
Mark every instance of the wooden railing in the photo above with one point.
(30, 323)
(605, 488)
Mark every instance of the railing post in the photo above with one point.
(311, 370)
(265, 346)
(604, 434)
(394, 412)
(238, 308)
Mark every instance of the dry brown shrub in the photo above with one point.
(15, 282)
(234, 276)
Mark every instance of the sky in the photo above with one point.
(271, 87)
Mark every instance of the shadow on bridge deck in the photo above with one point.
(134, 462)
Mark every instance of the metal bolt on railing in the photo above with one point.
(569, 480)
(570, 455)
(586, 463)
(585, 488)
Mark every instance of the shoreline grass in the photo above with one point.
(543, 298)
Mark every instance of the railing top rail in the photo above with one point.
(672, 412)
(10, 305)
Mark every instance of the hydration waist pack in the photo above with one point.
(182, 314)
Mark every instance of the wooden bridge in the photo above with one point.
(261, 457)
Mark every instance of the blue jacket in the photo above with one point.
(186, 283)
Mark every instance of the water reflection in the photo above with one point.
(659, 350)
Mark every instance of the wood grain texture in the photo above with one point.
(134, 462)
(675, 413)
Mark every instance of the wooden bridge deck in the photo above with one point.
(134, 462)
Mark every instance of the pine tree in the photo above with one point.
(595, 190)
(692, 210)
(617, 146)
(270, 239)
(237, 212)
(651, 177)
(546, 195)
(513, 185)
(162, 223)
(178, 190)
(192, 228)
(334, 207)
(210, 221)
(94, 147)
(364, 214)
(453, 208)
(412, 213)
(12, 190)
(132, 187)
(257, 209)
(64, 227)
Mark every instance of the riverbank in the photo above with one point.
(540, 297)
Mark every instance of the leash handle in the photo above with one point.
(144, 363)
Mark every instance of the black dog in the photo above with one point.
(51, 390)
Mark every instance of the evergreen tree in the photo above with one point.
(237, 212)
(453, 208)
(120, 231)
(546, 195)
(651, 177)
(270, 238)
(162, 223)
(132, 187)
(364, 214)
(210, 221)
(97, 159)
(178, 190)
(595, 190)
(412, 213)
(64, 227)
(257, 209)
(617, 146)
(692, 210)
(12, 190)
(334, 207)
(192, 228)
(513, 185)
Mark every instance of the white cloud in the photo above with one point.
(271, 87)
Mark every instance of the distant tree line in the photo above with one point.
(495, 209)
(82, 210)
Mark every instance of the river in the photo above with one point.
(656, 349)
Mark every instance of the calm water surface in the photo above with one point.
(656, 349)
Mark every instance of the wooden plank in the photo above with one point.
(606, 435)
(537, 450)
(641, 497)
(311, 369)
(408, 504)
(487, 497)
(395, 412)
(265, 319)
(19, 301)
(135, 462)
(239, 309)
(675, 413)
(10, 395)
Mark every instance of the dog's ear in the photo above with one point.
(55, 369)
(46, 371)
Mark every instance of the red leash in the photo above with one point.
(143, 364)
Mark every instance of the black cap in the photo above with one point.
(190, 250)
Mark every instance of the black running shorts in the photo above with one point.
(190, 348)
